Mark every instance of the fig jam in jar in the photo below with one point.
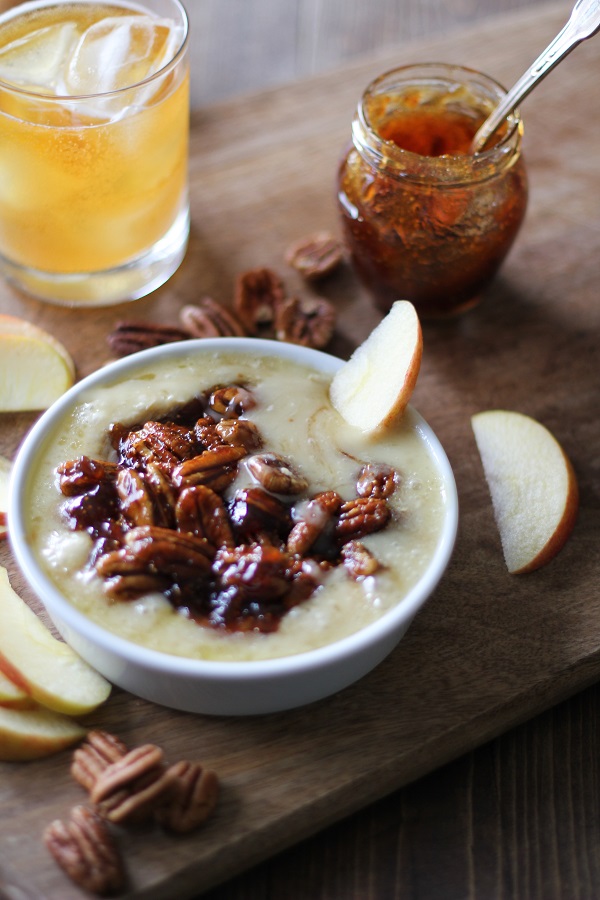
(425, 219)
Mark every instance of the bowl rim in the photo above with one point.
(159, 661)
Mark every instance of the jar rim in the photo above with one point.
(450, 168)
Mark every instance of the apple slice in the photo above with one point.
(5, 470)
(45, 668)
(532, 484)
(35, 368)
(12, 695)
(372, 389)
(33, 733)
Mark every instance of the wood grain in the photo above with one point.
(489, 650)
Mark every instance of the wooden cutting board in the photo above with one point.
(489, 650)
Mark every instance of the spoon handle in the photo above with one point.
(583, 23)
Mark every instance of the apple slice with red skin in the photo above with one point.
(41, 665)
(372, 389)
(532, 483)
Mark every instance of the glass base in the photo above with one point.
(130, 281)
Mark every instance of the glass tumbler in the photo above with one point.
(425, 219)
(94, 125)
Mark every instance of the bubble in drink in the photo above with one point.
(119, 52)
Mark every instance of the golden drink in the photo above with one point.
(94, 108)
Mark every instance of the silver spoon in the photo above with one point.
(584, 22)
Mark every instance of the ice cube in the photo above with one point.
(36, 61)
(121, 51)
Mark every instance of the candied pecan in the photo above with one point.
(126, 577)
(257, 294)
(159, 443)
(99, 751)
(164, 496)
(210, 319)
(276, 474)
(78, 476)
(129, 337)
(167, 552)
(90, 511)
(250, 579)
(133, 787)
(315, 255)
(358, 560)
(201, 512)
(377, 480)
(309, 321)
(135, 500)
(231, 401)
(193, 800)
(86, 851)
(311, 522)
(215, 468)
(361, 516)
(207, 436)
(239, 433)
(254, 512)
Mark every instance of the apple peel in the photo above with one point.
(533, 487)
(5, 470)
(33, 733)
(372, 389)
(45, 668)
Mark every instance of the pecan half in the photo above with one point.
(131, 336)
(358, 560)
(135, 500)
(78, 476)
(377, 480)
(201, 512)
(99, 751)
(210, 319)
(315, 256)
(215, 468)
(312, 521)
(133, 787)
(255, 513)
(126, 577)
(309, 321)
(161, 550)
(276, 474)
(257, 294)
(361, 516)
(193, 800)
(158, 443)
(231, 401)
(240, 433)
(86, 851)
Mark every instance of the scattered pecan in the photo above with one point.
(358, 560)
(276, 474)
(362, 516)
(193, 800)
(210, 319)
(99, 751)
(131, 336)
(377, 480)
(309, 321)
(201, 512)
(315, 256)
(86, 851)
(133, 787)
(312, 521)
(258, 292)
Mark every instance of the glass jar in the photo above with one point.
(425, 219)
